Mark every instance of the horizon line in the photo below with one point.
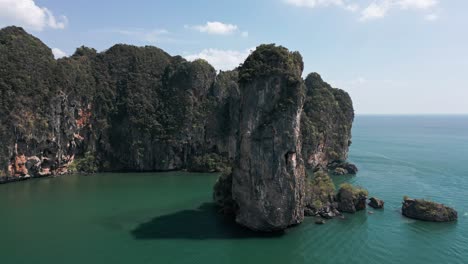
(411, 114)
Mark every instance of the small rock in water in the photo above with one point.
(376, 203)
(320, 221)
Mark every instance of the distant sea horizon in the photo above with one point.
(411, 114)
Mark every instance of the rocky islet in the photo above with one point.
(427, 210)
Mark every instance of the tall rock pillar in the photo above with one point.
(268, 180)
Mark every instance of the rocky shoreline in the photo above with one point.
(5, 179)
(140, 109)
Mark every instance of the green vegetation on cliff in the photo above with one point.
(268, 60)
(86, 164)
(211, 162)
(141, 109)
(320, 190)
(356, 191)
(326, 122)
(26, 83)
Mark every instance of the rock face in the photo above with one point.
(222, 194)
(269, 175)
(269, 190)
(428, 211)
(128, 108)
(376, 203)
(18, 166)
(326, 125)
(140, 109)
(37, 120)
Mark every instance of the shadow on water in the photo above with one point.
(201, 223)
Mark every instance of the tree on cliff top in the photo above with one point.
(269, 59)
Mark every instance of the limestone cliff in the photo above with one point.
(126, 109)
(326, 124)
(137, 109)
(38, 121)
(268, 176)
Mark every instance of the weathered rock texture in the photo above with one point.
(428, 210)
(269, 175)
(127, 109)
(338, 167)
(222, 194)
(140, 109)
(326, 124)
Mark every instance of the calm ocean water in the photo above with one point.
(167, 218)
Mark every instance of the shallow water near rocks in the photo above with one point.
(169, 218)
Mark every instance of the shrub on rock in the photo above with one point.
(351, 199)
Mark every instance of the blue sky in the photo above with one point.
(392, 56)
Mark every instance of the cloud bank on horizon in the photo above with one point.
(375, 9)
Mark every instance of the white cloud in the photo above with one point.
(218, 28)
(27, 14)
(380, 9)
(346, 4)
(374, 9)
(416, 4)
(222, 59)
(58, 53)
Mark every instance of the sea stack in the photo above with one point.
(269, 176)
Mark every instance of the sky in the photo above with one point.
(391, 56)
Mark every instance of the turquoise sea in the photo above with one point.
(168, 218)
